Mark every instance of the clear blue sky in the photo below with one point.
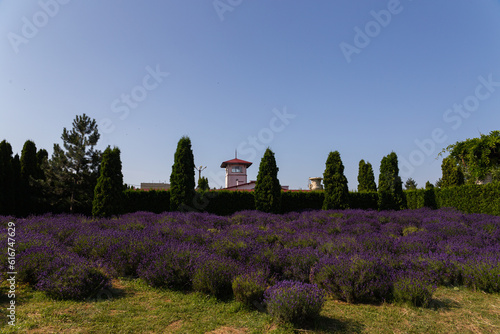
(302, 77)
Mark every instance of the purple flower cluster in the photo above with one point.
(414, 288)
(295, 302)
(354, 255)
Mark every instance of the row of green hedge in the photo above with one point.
(466, 198)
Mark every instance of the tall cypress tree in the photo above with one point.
(108, 193)
(6, 179)
(29, 172)
(335, 183)
(390, 186)
(182, 184)
(366, 178)
(452, 175)
(267, 191)
(17, 194)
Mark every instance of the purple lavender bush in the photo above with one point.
(414, 288)
(294, 302)
(171, 265)
(354, 255)
(72, 278)
(482, 272)
(214, 274)
(358, 278)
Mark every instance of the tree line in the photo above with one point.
(80, 179)
(67, 182)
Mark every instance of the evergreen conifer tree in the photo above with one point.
(29, 172)
(73, 172)
(203, 184)
(267, 187)
(17, 194)
(182, 184)
(108, 193)
(6, 179)
(335, 183)
(390, 187)
(366, 178)
(410, 184)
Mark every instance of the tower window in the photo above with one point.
(236, 169)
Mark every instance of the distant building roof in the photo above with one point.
(243, 186)
(235, 162)
(250, 186)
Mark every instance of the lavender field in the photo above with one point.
(351, 255)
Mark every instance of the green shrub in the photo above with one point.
(249, 288)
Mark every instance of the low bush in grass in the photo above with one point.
(294, 302)
(482, 272)
(171, 265)
(34, 261)
(249, 288)
(72, 278)
(354, 278)
(443, 269)
(413, 288)
(213, 274)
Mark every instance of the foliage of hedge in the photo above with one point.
(420, 198)
(226, 202)
(363, 200)
(301, 200)
(156, 201)
(471, 198)
(466, 198)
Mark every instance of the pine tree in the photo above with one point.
(335, 183)
(182, 184)
(203, 184)
(390, 187)
(72, 173)
(366, 178)
(267, 187)
(410, 184)
(6, 179)
(452, 175)
(108, 193)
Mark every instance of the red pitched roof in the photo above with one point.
(235, 162)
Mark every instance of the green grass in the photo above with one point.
(137, 308)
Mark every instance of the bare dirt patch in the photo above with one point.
(228, 330)
(175, 325)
